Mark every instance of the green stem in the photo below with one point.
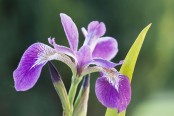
(72, 92)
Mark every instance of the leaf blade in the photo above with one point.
(129, 64)
(132, 56)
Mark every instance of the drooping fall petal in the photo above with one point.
(30, 66)
(114, 93)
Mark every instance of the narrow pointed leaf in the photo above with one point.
(131, 58)
(60, 89)
(81, 103)
(129, 64)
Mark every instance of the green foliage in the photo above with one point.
(129, 64)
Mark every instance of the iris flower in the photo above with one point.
(112, 88)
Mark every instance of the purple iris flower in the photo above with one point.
(112, 89)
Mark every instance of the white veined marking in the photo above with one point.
(46, 54)
(112, 76)
(114, 81)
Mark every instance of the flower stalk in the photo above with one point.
(73, 89)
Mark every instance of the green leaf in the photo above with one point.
(81, 103)
(129, 64)
(111, 112)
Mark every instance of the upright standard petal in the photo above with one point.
(83, 57)
(70, 31)
(30, 66)
(114, 93)
(106, 48)
(96, 29)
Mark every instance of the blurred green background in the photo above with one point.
(23, 22)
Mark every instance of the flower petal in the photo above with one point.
(61, 49)
(89, 70)
(103, 63)
(84, 56)
(96, 29)
(70, 31)
(106, 48)
(114, 93)
(84, 31)
(30, 66)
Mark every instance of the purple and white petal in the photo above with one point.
(84, 56)
(96, 29)
(71, 31)
(94, 32)
(114, 93)
(84, 31)
(30, 66)
(89, 70)
(103, 63)
(62, 49)
(120, 62)
(105, 48)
